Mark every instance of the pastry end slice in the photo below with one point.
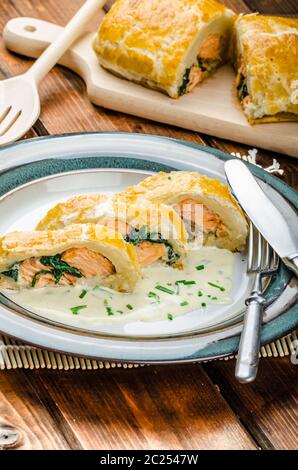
(76, 255)
(205, 205)
(266, 61)
(169, 45)
(156, 230)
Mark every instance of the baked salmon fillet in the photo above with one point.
(77, 254)
(168, 45)
(205, 205)
(156, 230)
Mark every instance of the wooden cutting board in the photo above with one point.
(212, 108)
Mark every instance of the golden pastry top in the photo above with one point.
(164, 187)
(100, 209)
(18, 246)
(268, 51)
(73, 209)
(151, 38)
(158, 217)
(178, 186)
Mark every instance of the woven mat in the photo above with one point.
(16, 355)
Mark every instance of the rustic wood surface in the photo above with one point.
(166, 407)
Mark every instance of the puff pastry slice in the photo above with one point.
(169, 45)
(77, 254)
(156, 230)
(266, 60)
(189, 193)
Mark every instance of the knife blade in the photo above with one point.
(262, 212)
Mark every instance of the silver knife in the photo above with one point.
(261, 211)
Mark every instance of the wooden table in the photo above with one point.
(166, 407)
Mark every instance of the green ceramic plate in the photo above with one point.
(35, 174)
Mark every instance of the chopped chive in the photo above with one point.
(75, 310)
(130, 307)
(109, 311)
(119, 311)
(200, 293)
(153, 295)
(165, 289)
(216, 286)
(105, 302)
(83, 293)
(169, 177)
(103, 289)
(170, 316)
(213, 298)
(184, 303)
(200, 267)
(185, 282)
(203, 304)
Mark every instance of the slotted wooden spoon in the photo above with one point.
(19, 98)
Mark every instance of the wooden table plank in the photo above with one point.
(269, 406)
(26, 409)
(273, 7)
(172, 407)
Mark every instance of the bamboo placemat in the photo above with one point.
(16, 355)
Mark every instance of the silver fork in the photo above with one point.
(262, 261)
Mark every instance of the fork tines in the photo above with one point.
(8, 117)
(261, 257)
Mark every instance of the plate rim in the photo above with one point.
(277, 184)
(285, 321)
(22, 311)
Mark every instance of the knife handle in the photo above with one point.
(248, 353)
(292, 263)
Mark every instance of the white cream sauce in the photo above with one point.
(157, 296)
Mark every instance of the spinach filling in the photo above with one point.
(13, 272)
(185, 81)
(242, 88)
(59, 267)
(202, 66)
(137, 236)
(36, 276)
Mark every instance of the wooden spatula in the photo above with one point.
(19, 99)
